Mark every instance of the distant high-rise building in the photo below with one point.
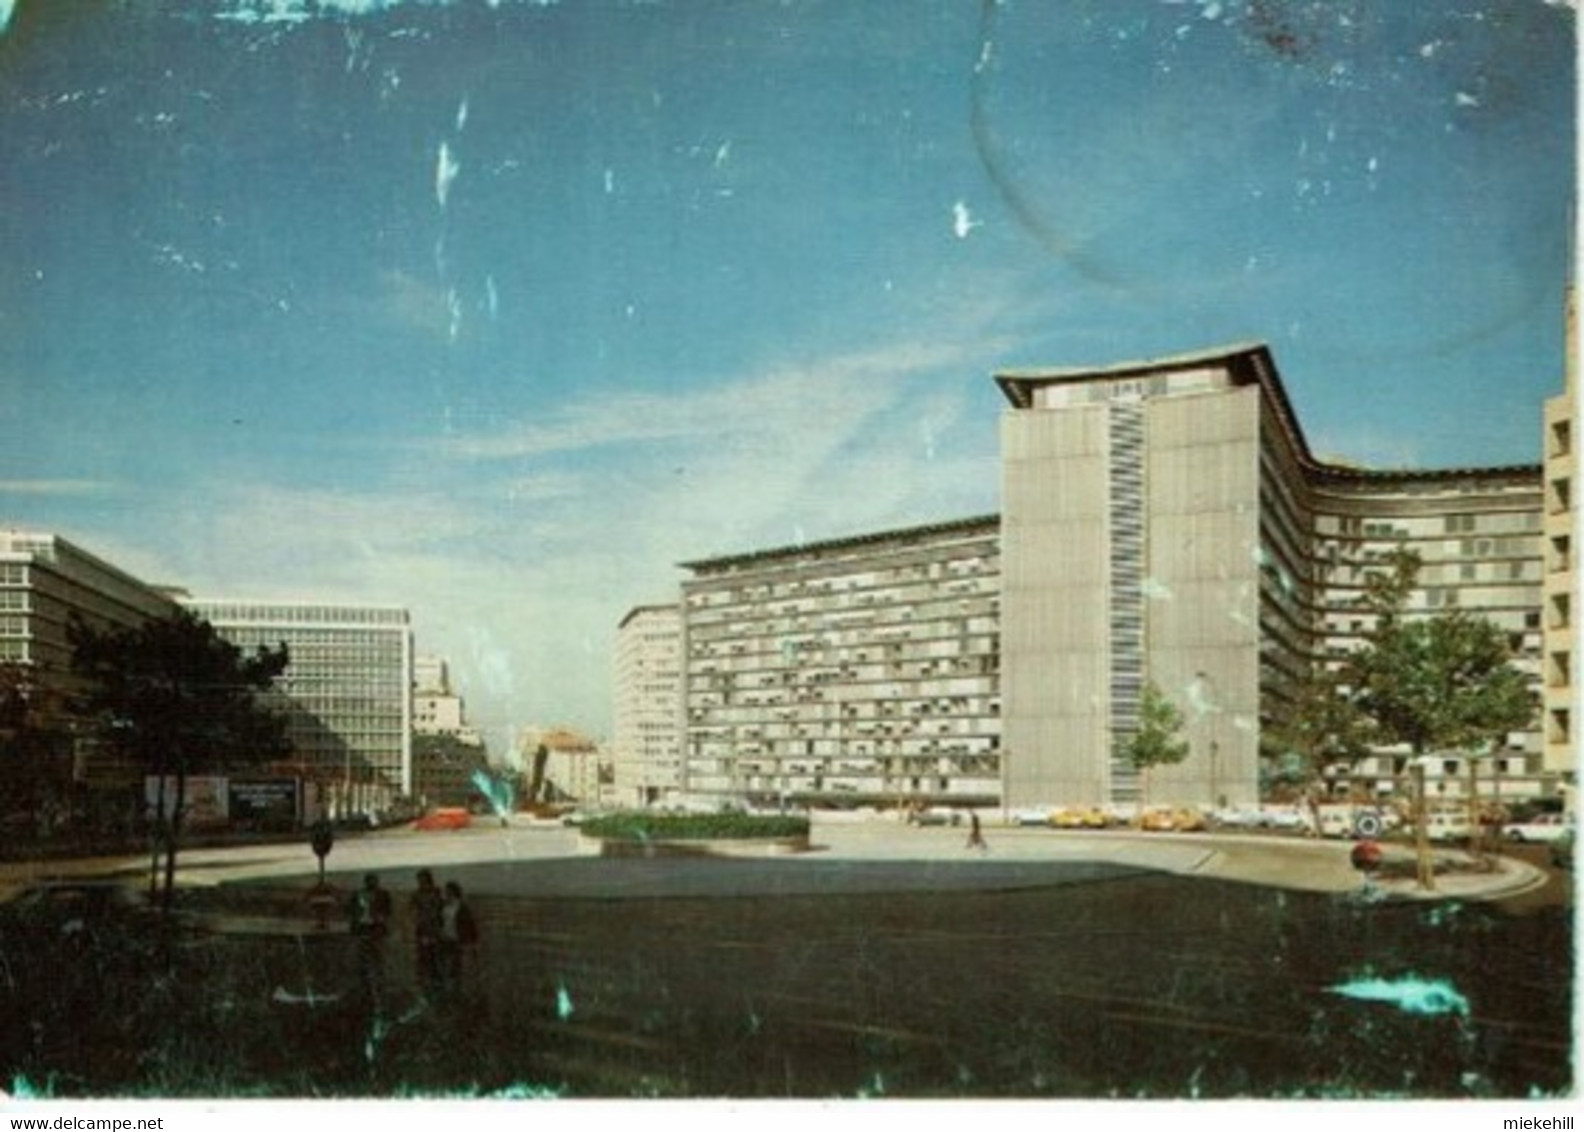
(646, 747)
(437, 708)
(347, 689)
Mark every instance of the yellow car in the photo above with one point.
(1067, 819)
(1178, 820)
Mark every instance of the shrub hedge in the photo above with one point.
(636, 826)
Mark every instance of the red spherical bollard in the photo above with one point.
(1366, 856)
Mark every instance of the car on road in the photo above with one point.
(1173, 819)
(1235, 818)
(1083, 817)
(1546, 828)
(936, 815)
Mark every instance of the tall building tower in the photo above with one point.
(1561, 574)
(347, 691)
(1165, 523)
(648, 706)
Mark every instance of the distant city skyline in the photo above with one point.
(499, 311)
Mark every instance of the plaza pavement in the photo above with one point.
(543, 860)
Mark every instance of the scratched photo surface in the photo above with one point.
(500, 313)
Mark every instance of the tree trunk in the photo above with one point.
(175, 837)
(1422, 829)
(1476, 837)
(158, 837)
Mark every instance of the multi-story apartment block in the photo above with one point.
(1165, 522)
(859, 670)
(646, 755)
(1558, 619)
(346, 690)
(45, 582)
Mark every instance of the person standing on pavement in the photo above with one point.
(368, 916)
(975, 832)
(458, 930)
(427, 902)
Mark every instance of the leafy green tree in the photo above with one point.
(175, 698)
(1446, 681)
(1442, 681)
(1158, 740)
(1315, 726)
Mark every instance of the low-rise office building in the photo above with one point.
(46, 582)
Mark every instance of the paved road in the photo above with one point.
(875, 855)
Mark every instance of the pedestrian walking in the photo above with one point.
(368, 919)
(975, 832)
(458, 931)
(427, 903)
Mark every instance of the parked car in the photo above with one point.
(450, 817)
(1031, 817)
(937, 815)
(1541, 828)
(1081, 817)
(1351, 820)
(1173, 819)
(1562, 850)
(1235, 818)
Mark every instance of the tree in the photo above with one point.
(173, 697)
(541, 757)
(1317, 725)
(35, 742)
(1443, 681)
(1158, 740)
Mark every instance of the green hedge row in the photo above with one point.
(694, 827)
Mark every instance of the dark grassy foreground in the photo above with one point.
(1134, 987)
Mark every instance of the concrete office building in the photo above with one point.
(45, 581)
(437, 707)
(347, 691)
(646, 752)
(1561, 575)
(1165, 522)
(852, 671)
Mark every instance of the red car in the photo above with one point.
(451, 818)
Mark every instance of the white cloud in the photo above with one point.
(57, 487)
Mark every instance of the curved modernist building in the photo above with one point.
(1165, 521)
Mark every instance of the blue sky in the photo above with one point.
(499, 309)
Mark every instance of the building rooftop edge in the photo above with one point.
(653, 607)
(1016, 385)
(848, 540)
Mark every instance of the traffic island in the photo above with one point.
(629, 835)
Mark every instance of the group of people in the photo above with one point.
(444, 928)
